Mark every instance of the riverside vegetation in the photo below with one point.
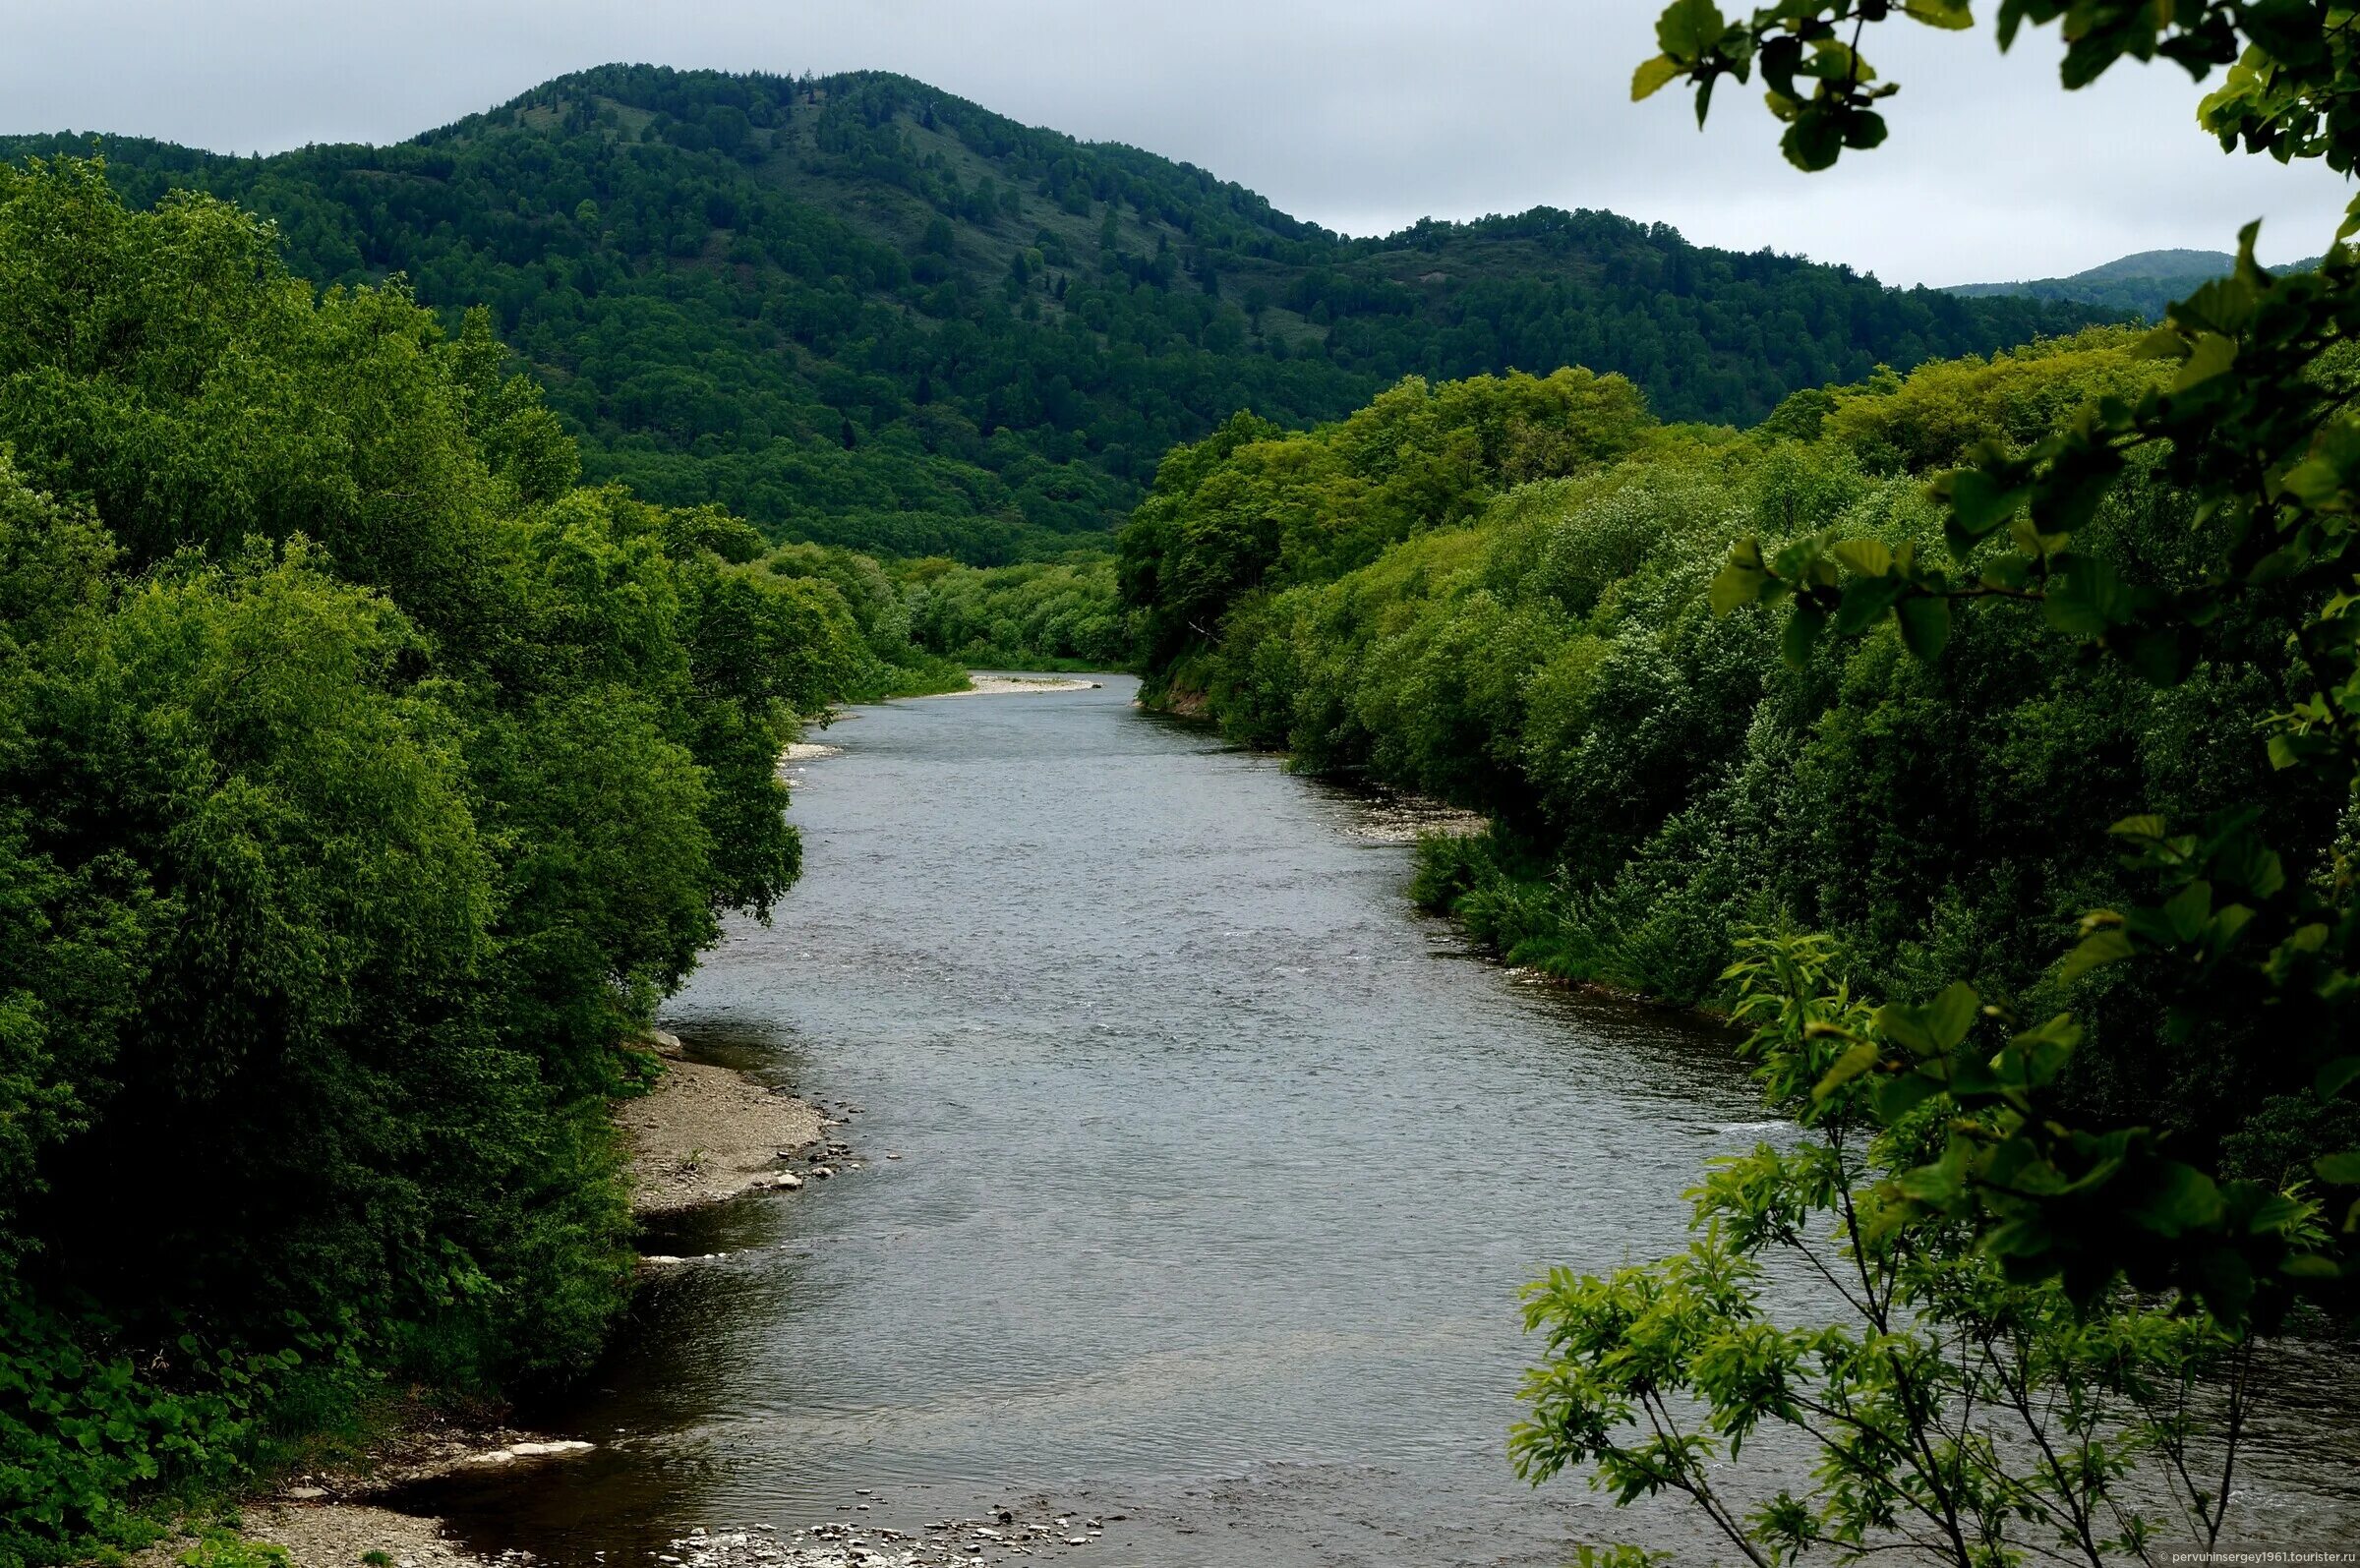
(369, 776)
(367, 782)
(1496, 591)
(1503, 592)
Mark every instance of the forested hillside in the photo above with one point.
(856, 310)
(1425, 596)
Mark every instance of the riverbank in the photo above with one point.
(981, 684)
(705, 1134)
(339, 1534)
(702, 1135)
(328, 1518)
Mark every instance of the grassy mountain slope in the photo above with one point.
(858, 310)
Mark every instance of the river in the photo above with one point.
(1216, 1171)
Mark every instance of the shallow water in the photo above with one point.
(1218, 1171)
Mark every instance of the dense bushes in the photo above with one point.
(1660, 779)
(1047, 614)
(364, 786)
(1250, 509)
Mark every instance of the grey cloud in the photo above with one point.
(1363, 117)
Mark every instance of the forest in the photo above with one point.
(2145, 284)
(322, 652)
(858, 311)
(1426, 595)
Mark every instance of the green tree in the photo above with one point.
(1980, 1157)
(1951, 1413)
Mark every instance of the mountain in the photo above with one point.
(2144, 282)
(858, 310)
(2201, 264)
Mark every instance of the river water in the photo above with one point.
(1218, 1169)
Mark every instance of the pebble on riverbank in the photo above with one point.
(322, 1523)
(701, 1134)
(340, 1534)
(1002, 1539)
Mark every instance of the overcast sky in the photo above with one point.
(1359, 114)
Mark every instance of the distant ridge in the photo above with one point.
(858, 310)
(2160, 263)
(2145, 281)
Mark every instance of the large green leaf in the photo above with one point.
(1936, 1026)
(1979, 501)
(1867, 556)
(1689, 29)
(1653, 76)
(1802, 634)
(1737, 584)
(2098, 949)
(1953, 16)
(1850, 1065)
(1864, 602)
(1924, 625)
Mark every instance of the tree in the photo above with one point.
(2292, 68)
(694, 340)
(1967, 1418)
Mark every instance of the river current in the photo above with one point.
(1216, 1169)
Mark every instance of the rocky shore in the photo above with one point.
(706, 1134)
(985, 685)
(325, 1520)
(346, 1533)
(1003, 1538)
